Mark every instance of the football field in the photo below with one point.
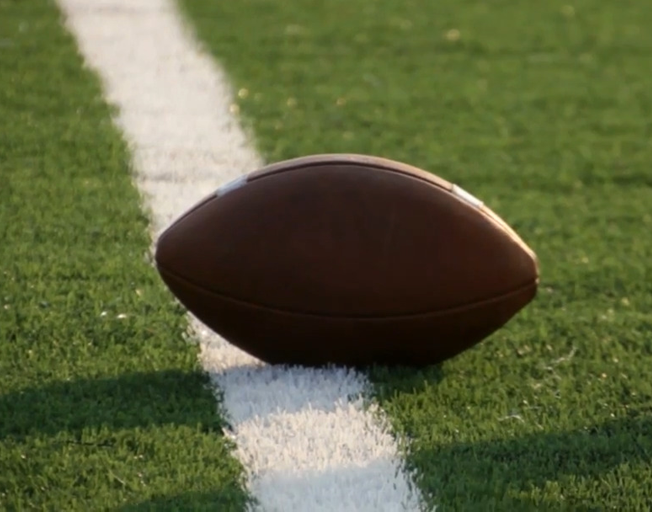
(114, 118)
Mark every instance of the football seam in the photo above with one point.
(381, 164)
(441, 312)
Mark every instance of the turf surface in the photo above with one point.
(102, 406)
(544, 110)
(541, 109)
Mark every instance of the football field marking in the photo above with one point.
(303, 436)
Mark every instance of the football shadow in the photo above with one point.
(339, 488)
(506, 472)
(209, 501)
(459, 474)
(296, 389)
(398, 380)
(144, 399)
(123, 402)
(499, 474)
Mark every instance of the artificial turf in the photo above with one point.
(544, 111)
(102, 403)
(541, 109)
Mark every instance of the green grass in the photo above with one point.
(545, 112)
(97, 411)
(542, 110)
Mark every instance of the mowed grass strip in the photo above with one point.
(102, 404)
(543, 110)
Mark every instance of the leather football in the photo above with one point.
(347, 260)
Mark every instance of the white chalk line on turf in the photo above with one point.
(305, 439)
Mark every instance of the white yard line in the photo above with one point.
(303, 436)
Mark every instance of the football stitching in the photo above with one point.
(441, 312)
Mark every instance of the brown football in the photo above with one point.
(347, 260)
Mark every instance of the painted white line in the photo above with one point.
(303, 436)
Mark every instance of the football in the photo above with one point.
(347, 260)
